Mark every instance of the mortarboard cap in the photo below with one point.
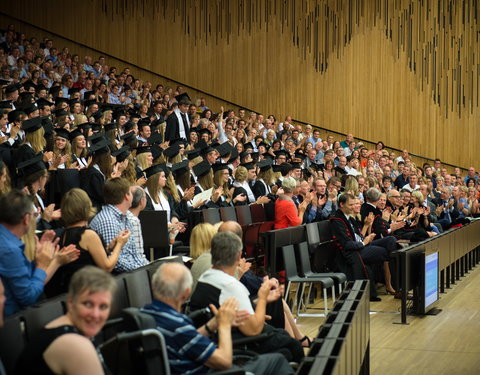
(192, 154)
(28, 109)
(6, 104)
(224, 149)
(28, 85)
(155, 138)
(100, 147)
(248, 146)
(128, 137)
(60, 112)
(74, 134)
(61, 100)
(172, 151)
(54, 90)
(31, 125)
(180, 168)
(26, 96)
(63, 133)
(14, 115)
(265, 164)
(97, 115)
(264, 145)
(12, 88)
(233, 155)
(42, 103)
(85, 126)
(143, 149)
(96, 138)
(277, 167)
(202, 168)
(204, 131)
(86, 96)
(73, 90)
(204, 147)
(183, 98)
(219, 167)
(249, 166)
(129, 125)
(154, 169)
(156, 151)
(96, 127)
(300, 155)
(111, 126)
(121, 154)
(32, 165)
(295, 165)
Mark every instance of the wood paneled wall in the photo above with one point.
(405, 72)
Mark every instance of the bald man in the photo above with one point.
(191, 350)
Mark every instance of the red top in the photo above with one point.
(286, 214)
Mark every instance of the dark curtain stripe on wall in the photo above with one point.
(440, 38)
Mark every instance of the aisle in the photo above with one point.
(448, 343)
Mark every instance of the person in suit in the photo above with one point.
(349, 240)
(178, 123)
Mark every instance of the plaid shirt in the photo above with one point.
(108, 223)
(137, 231)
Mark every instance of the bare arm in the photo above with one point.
(92, 243)
(73, 354)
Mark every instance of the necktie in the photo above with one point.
(185, 123)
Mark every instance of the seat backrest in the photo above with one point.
(288, 254)
(244, 216)
(297, 234)
(12, 342)
(324, 230)
(36, 317)
(313, 237)
(303, 258)
(258, 213)
(228, 213)
(211, 215)
(154, 228)
(277, 239)
(138, 288)
(120, 298)
(146, 359)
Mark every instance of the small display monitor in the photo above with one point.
(431, 279)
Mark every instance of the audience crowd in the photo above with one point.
(85, 147)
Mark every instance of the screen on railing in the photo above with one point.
(431, 278)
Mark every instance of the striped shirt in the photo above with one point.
(187, 349)
(108, 224)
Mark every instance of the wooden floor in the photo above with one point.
(448, 343)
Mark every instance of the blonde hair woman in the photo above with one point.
(200, 241)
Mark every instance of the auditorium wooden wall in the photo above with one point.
(405, 72)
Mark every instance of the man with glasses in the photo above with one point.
(321, 205)
(24, 280)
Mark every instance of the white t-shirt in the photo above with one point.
(229, 287)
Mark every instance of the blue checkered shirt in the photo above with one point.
(108, 223)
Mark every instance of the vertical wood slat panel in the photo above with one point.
(402, 71)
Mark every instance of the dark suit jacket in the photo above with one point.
(344, 233)
(172, 130)
(379, 226)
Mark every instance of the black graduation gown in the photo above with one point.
(93, 181)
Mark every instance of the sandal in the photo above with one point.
(305, 340)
